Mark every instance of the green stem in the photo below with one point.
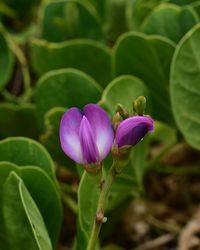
(99, 219)
(24, 65)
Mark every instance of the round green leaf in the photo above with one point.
(149, 58)
(24, 151)
(24, 224)
(91, 57)
(123, 90)
(65, 88)
(70, 19)
(6, 62)
(165, 16)
(18, 120)
(138, 10)
(43, 192)
(185, 88)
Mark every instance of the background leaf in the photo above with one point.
(185, 88)
(50, 139)
(138, 10)
(86, 55)
(70, 19)
(22, 215)
(161, 20)
(24, 151)
(18, 120)
(64, 88)
(6, 61)
(48, 201)
(183, 2)
(124, 90)
(149, 58)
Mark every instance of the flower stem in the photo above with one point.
(99, 219)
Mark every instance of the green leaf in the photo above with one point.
(161, 20)
(70, 19)
(138, 10)
(24, 151)
(18, 13)
(86, 55)
(149, 58)
(50, 139)
(99, 6)
(6, 62)
(130, 181)
(115, 23)
(24, 224)
(183, 2)
(87, 205)
(196, 7)
(18, 120)
(123, 90)
(64, 88)
(43, 192)
(185, 88)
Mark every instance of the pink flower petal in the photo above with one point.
(89, 148)
(132, 130)
(69, 134)
(102, 128)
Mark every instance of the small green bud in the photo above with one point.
(139, 105)
(116, 120)
(122, 111)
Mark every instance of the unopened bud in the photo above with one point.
(116, 120)
(122, 111)
(139, 105)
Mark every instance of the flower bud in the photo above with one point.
(132, 130)
(122, 111)
(139, 105)
(116, 120)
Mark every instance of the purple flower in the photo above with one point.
(132, 130)
(86, 136)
